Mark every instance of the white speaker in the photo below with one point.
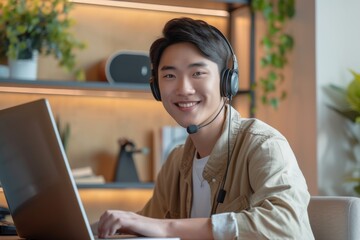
(129, 68)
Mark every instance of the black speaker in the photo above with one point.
(128, 67)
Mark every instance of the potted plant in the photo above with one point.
(28, 28)
(346, 102)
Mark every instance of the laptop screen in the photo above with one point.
(36, 177)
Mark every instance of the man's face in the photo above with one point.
(189, 84)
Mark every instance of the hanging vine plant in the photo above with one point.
(277, 44)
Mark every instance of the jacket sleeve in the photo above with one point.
(278, 205)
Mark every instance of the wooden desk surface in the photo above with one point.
(9, 238)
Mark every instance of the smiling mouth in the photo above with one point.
(186, 104)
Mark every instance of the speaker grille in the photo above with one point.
(128, 67)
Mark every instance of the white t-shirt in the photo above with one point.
(201, 203)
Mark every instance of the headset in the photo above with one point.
(229, 82)
(229, 85)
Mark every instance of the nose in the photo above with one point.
(185, 87)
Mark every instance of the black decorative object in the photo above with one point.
(125, 170)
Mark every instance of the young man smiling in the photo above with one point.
(234, 178)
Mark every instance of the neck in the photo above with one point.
(205, 140)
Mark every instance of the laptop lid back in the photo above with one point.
(36, 177)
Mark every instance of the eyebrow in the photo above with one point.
(197, 64)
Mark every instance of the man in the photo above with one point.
(234, 178)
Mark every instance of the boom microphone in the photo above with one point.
(191, 129)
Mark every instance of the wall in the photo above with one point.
(337, 51)
(296, 116)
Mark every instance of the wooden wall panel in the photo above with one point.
(107, 30)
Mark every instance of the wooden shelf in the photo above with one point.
(116, 185)
(179, 5)
(72, 88)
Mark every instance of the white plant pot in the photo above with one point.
(4, 71)
(24, 69)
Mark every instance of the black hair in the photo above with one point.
(204, 36)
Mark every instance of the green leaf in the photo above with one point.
(21, 29)
(274, 102)
(258, 4)
(349, 114)
(290, 8)
(337, 95)
(353, 92)
(357, 188)
(268, 11)
(272, 76)
(267, 42)
(272, 29)
(286, 8)
(266, 60)
(264, 99)
(286, 41)
(268, 85)
(278, 61)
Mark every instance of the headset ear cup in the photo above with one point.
(229, 83)
(234, 83)
(223, 87)
(155, 89)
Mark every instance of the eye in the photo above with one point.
(168, 76)
(198, 74)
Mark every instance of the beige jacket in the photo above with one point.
(267, 196)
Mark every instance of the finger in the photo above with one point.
(94, 227)
(114, 227)
(101, 228)
(108, 225)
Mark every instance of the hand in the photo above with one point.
(114, 221)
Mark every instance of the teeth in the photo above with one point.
(187, 105)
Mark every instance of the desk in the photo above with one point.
(17, 238)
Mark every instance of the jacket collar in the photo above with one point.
(215, 168)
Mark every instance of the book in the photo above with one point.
(91, 180)
(86, 175)
(165, 141)
(82, 172)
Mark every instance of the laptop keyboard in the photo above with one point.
(7, 228)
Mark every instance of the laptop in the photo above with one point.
(36, 177)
